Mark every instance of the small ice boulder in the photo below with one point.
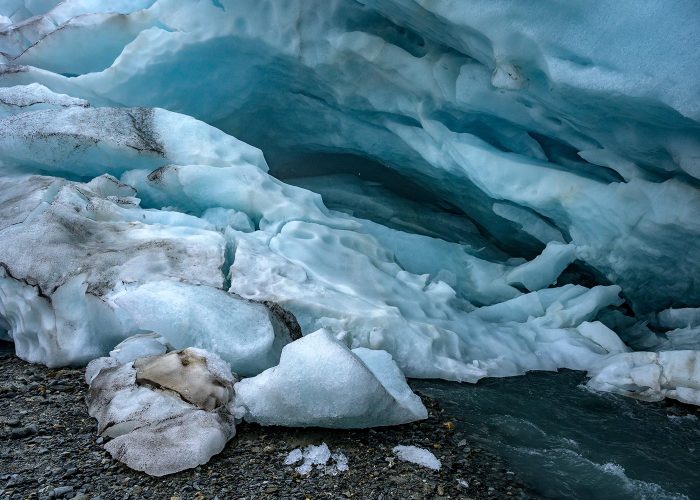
(416, 455)
(320, 382)
(164, 413)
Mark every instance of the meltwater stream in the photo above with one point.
(567, 442)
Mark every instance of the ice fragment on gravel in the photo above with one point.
(294, 456)
(318, 457)
(416, 455)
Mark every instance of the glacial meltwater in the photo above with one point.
(567, 442)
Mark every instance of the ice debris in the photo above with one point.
(317, 457)
(320, 382)
(164, 413)
(416, 455)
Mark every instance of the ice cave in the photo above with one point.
(235, 217)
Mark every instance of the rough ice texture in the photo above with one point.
(548, 147)
(416, 455)
(320, 382)
(163, 413)
(187, 373)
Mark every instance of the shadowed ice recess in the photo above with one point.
(441, 190)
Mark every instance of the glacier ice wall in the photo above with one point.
(565, 141)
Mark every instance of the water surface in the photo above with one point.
(568, 442)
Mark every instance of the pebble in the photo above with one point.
(61, 491)
(12, 422)
(23, 432)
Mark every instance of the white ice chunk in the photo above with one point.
(603, 336)
(294, 456)
(686, 317)
(544, 269)
(221, 218)
(320, 382)
(416, 455)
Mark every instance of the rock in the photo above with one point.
(23, 432)
(12, 422)
(70, 472)
(62, 491)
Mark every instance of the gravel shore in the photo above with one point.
(49, 449)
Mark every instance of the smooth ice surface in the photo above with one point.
(505, 190)
(163, 415)
(320, 382)
(416, 455)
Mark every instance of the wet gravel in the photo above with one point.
(49, 449)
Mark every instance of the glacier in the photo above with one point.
(477, 188)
